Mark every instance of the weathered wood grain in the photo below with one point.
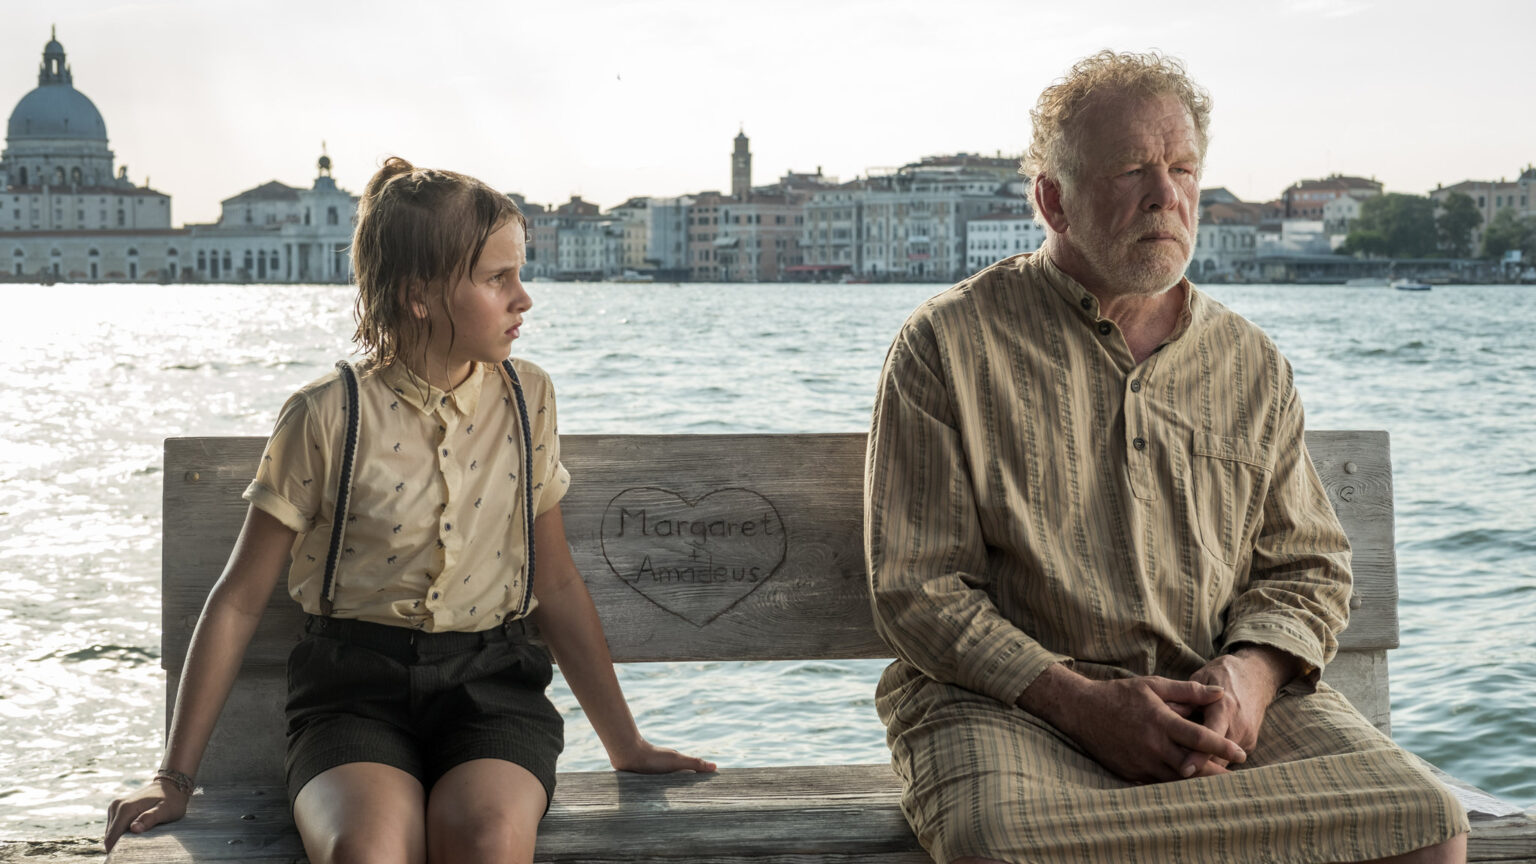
(846, 813)
(812, 603)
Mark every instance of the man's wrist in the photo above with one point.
(1280, 667)
(1053, 695)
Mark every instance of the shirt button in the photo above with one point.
(1104, 327)
(1136, 386)
(1087, 303)
(1139, 443)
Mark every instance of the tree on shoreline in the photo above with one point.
(1454, 224)
(1508, 230)
(1393, 225)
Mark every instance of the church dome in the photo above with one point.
(55, 109)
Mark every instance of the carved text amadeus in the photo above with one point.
(698, 558)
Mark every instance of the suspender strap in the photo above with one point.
(522, 415)
(343, 490)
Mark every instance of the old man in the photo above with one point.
(1099, 550)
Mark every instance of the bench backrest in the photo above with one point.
(701, 547)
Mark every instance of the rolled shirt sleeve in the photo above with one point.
(290, 479)
(1297, 594)
(926, 556)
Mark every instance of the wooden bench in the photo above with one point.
(694, 548)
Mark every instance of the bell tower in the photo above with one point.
(741, 168)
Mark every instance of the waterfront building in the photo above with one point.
(1491, 196)
(632, 221)
(1340, 213)
(909, 223)
(753, 234)
(66, 212)
(1227, 238)
(666, 239)
(1305, 198)
(1000, 235)
(278, 233)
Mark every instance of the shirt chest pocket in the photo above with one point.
(1228, 480)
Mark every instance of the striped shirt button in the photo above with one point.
(1139, 443)
(1104, 327)
(1136, 386)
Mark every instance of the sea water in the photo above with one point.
(93, 378)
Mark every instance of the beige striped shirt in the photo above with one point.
(1034, 495)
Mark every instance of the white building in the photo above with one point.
(997, 236)
(591, 249)
(65, 215)
(1340, 213)
(278, 233)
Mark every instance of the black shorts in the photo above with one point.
(421, 702)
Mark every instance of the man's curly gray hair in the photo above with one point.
(1053, 151)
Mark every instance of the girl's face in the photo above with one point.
(486, 309)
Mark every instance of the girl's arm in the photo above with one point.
(213, 660)
(569, 623)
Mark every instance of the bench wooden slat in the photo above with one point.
(840, 813)
(810, 486)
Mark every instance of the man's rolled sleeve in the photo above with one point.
(292, 474)
(1297, 597)
(923, 542)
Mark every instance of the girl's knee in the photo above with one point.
(365, 845)
(487, 838)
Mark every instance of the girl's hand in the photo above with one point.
(646, 758)
(157, 803)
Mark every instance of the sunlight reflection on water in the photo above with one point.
(95, 377)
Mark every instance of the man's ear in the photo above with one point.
(1047, 194)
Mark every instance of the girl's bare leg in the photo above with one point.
(362, 813)
(485, 811)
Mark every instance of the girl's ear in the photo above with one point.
(413, 298)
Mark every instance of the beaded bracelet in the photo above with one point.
(181, 781)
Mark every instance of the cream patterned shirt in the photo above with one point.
(436, 534)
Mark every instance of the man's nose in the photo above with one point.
(1163, 194)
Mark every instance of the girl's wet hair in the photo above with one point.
(419, 230)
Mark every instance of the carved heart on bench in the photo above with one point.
(695, 559)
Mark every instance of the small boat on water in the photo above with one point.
(634, 276)
(1410, 285)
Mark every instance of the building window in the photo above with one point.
(133, 269)
(93, 253)
(133, 251)
(121, 218)
(331, 217)
(202, 261)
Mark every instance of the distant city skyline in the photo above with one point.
(609, 100)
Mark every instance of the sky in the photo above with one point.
(609, 99)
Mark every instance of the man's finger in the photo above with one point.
(1188, 692)
(1198, 739)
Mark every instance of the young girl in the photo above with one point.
(418, 727)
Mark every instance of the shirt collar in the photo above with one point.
(1088, 305)
(416, 392)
